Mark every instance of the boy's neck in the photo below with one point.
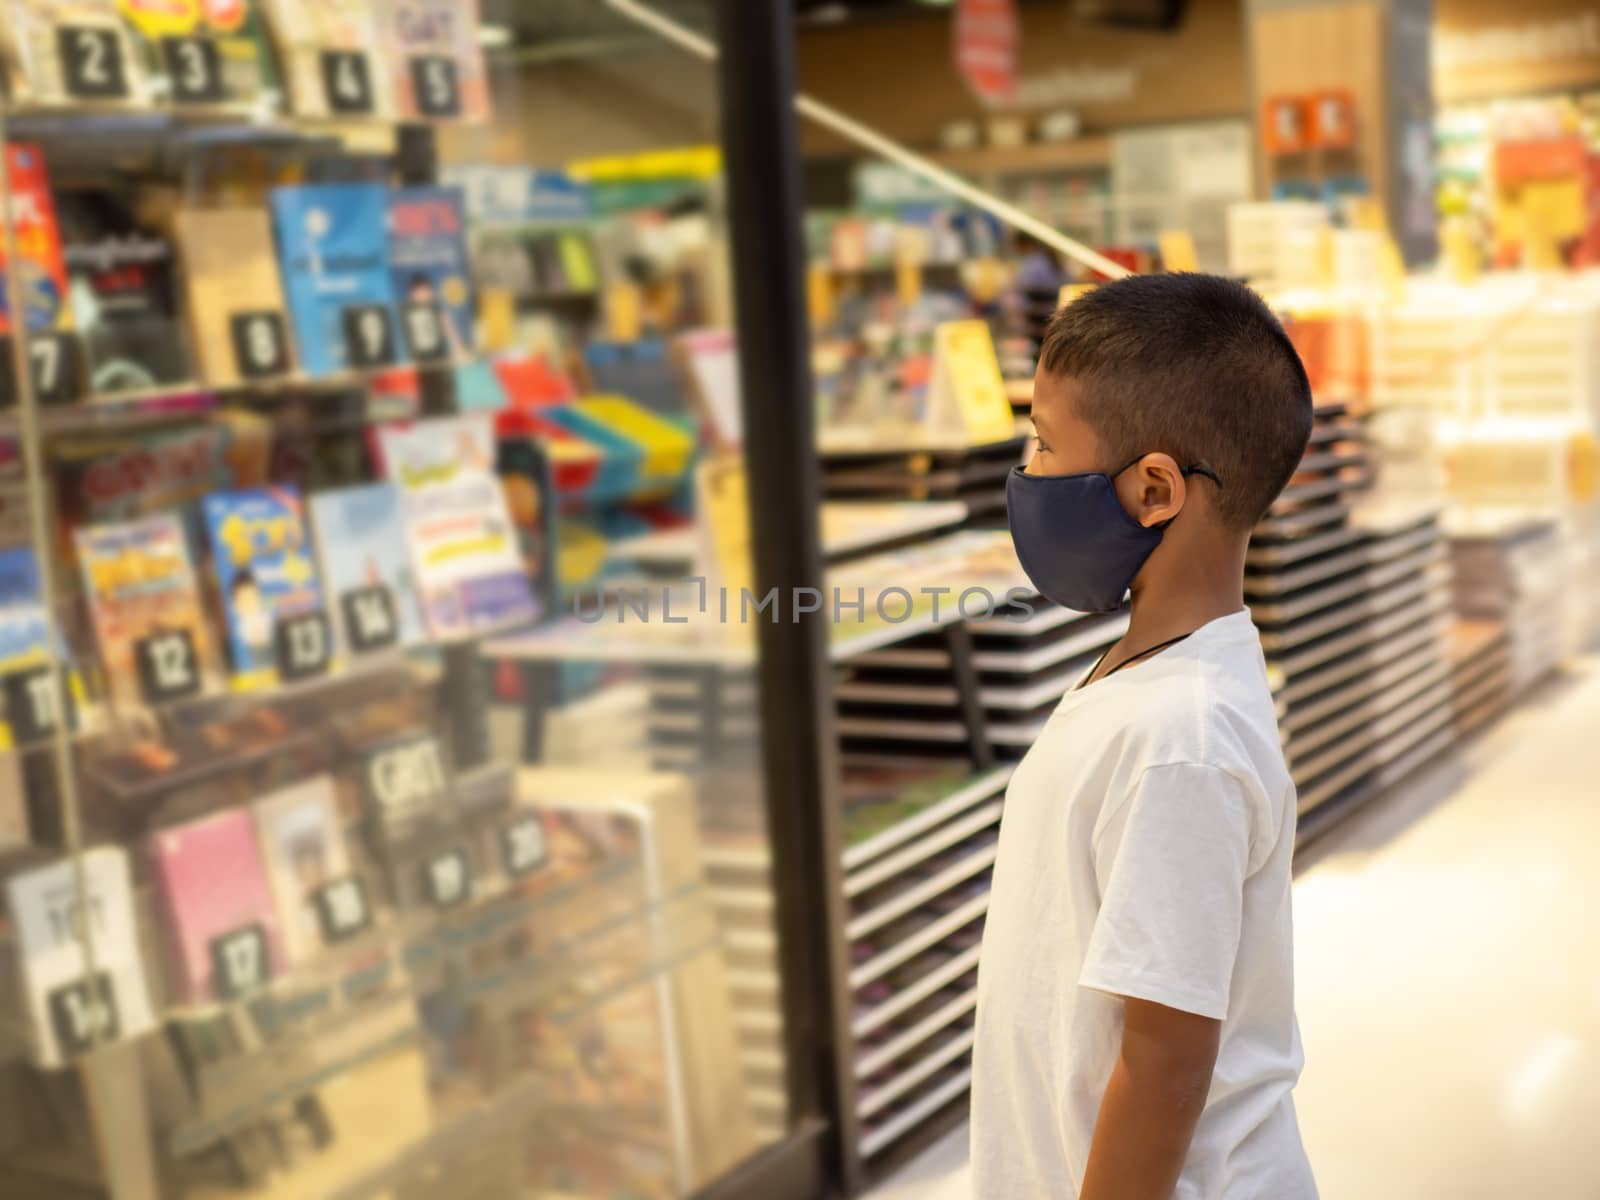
(1177, 592)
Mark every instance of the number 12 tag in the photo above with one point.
(167, 665)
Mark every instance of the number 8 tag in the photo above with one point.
(259, 345)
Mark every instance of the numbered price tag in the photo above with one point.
(436, 82)
(448, 879)
(169, 668)
(194, 64)
(407, 778)
(83, 1013)
(260, 346)
(55, 369)
(31, 703)
(523, 844)
(240, 962)
(302, 645)
(368, 335)
(424, 325)
(342, 909)
(91, 62)
(347, 81)
(369, 618)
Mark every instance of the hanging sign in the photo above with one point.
(986, 39)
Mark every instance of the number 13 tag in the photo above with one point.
(302, 645)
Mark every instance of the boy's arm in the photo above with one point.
(1154, 1098)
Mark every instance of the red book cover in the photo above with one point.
(212, 884)
(43, 271)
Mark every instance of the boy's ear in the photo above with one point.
(1153, 489)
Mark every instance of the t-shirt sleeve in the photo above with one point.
(1171, 863)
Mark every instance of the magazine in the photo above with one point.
(38, 240)
(265, 573)
(334, 256)
(428, 259)
(303, 847)
(470, 574)
(213, 888)
(145, 605)
(366, 561)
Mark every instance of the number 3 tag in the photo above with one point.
(195, 68)
(167, 666)
(302, 645)
(368, 336)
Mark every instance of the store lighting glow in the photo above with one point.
(493, 36)
(1538, 1072)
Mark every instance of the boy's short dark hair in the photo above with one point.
(1195, 366)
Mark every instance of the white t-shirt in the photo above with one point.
(1144, 851)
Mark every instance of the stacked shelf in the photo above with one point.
(1352, 602)
(974, 475)
(919, 852)
(1480, 671)
(982, 689)
(739, 875)
(1510, 567)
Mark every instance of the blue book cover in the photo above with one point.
(362, 545)
(265, 571)
(428, 258)
(334, 254)
(24, 626)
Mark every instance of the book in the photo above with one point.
(303, 847)
(333, 253)
(69, 1008)
(38, 239)
(141, 587)
(262, 561)
(231, 280)
(361, 545)
(437, 60)
(237, 71)
(428, 259)
(212, 886)
(330, 54)
(464, 547)
(68, 51)
(25, 638)
(121, 277)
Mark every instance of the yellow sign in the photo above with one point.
(966, 370)
(497, 319)
(819, 295)
(723, 495)
(1177, 250)
(908, 281)
(624, 305)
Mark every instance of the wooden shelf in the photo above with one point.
(1076, 155)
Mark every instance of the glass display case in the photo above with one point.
(350, 370)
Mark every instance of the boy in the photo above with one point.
(1136, 1037)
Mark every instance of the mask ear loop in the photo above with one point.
(1199, 468)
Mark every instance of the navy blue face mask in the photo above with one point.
(1075, 541)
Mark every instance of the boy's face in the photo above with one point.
(1066, 443)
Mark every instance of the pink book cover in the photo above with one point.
(212, 882)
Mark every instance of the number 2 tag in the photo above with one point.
(302, 645)
(167, 665)
(259, 346)
(368, 335)
(195, 67)
(91, 62)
